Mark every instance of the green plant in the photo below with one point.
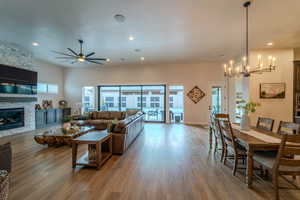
(249, 107)
(67, 118)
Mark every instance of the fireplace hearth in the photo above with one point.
(11, 118)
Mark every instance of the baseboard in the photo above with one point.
(197, 123)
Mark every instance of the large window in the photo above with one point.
(88, 99)
(150, 99)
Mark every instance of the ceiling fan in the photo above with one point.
(81, 57)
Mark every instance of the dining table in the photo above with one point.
(253, 140)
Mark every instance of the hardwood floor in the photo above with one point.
(165, 162)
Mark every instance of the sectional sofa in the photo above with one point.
(124, 126)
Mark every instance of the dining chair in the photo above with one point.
(265, 124)
(288, 128)
(231, 145)
(282, 163)
(217, 133)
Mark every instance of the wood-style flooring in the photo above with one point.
(166, 162)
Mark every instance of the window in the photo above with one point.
(171, 98)
(52, 88)
(88, 99)
(42, 88)
(47, 88)
(109, 98)
(139, 98)
(139, 105)
(110, 105)
(171, 105)
(154, 105)
(154, 99)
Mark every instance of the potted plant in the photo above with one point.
(246, 108)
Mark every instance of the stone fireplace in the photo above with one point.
(28, 117)
(11, 118)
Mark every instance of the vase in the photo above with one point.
(245, 122)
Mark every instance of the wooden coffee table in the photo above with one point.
(99, 149)
(56, 137)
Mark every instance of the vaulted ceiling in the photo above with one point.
(166, 31)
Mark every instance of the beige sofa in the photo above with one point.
(124, 126)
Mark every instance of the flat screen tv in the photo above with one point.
(15, 80)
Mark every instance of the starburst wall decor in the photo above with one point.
(196, 94)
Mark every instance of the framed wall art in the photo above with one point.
(272, 91)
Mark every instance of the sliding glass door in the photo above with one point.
(148, 98)
(109, 98)
(154, 102)
(130, 98)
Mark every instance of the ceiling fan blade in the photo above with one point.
(90, 54)
(94, 62)
(104, 59)
(65, 54)
(72, 51)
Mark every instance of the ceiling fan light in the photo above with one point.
(81, 59)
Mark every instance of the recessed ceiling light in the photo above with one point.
(120, 18)
(131, 38)
(270, 43)
(142, 58)
(107, 60)
(35, 44)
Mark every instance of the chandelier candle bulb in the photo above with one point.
(273, 59)
(245, 60)
(259, 59)
(248, 69)
(261, 65)
(231, 63)
(270, 60)
(225, 68)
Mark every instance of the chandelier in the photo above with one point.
(243, 68)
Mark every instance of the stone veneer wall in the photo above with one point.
(14, 55)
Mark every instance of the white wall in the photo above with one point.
(50, 73)
(204, 75)
(278, 109)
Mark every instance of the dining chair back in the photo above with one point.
(230, 143)
(217, 132)
(288, 128)
(265, 124)
(287, 161)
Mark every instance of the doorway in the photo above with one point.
(176, 103)
(216, 99)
